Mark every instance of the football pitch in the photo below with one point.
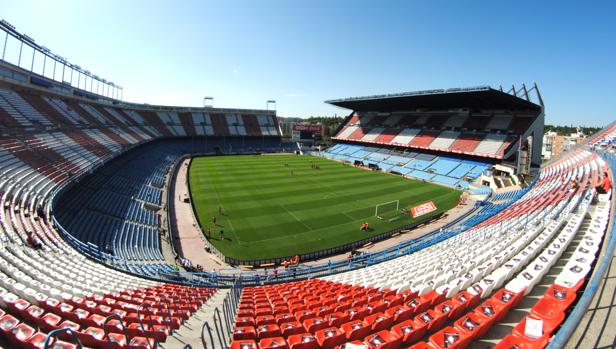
(279, 205)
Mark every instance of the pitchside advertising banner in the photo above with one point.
(422, 209)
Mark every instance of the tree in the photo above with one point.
(567, 130)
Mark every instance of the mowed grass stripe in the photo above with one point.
(270, 213)
(321, 222)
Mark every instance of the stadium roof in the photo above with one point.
(483, 97)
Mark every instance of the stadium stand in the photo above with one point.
(114, 208)
(453, 292)
(48, 279)
(111, 216)
(477, 128)
(440, 169)
(83, 263)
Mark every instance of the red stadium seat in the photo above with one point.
(563, 295)
(296, 307)
(269, 330)
(68, 324)
(342, 307)
(399, 313)
(355, 329)
(508, 298)
(244, 332)
(18, 307)
(449, 309)
(393, 300)
(283, 318)
(92, 337)
(512, 341)
(291, 328)
(473, 324)
(549, 309)
(359, 301)
(33, 314)
(281, 310)
(463, 297)
(549, 324)
(244, 344)
(263, 311)
(409, 295)
(379, 321)
(302, 341)
(330, 337)
(315, 324)
(421, 345)
(20, 334)
(356, 313)
(492, 309)
(49, 322)
(375, 307)
(322, 311)
(450, 338)
(431, 319)
(141, 343)
(304, 315)
(336, 319)
(384, 340)
(434, 298)
(273, 343)
(409, 330)
(418, 305)
(265, 320)
(245, 313)
(38, 341)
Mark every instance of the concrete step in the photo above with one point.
(515, 315)
(190, 331)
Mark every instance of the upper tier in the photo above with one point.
(478, 134)
(30, 110)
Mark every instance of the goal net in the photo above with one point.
(387, 210)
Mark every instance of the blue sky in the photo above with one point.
(301, 53)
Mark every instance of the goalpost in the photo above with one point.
(387, 209)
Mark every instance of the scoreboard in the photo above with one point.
(306, 132)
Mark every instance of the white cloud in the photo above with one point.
(235, 71)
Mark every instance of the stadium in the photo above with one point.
(429, 222)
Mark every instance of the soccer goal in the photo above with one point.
(387, 210)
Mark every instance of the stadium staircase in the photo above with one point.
(193, 332)
(534, 303)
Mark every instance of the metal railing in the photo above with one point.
(49, 340)
(110, 341)
(145, 306)
(223, 321)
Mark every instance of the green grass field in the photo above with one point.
(272, 210)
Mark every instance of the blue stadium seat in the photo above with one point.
(443, 166)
